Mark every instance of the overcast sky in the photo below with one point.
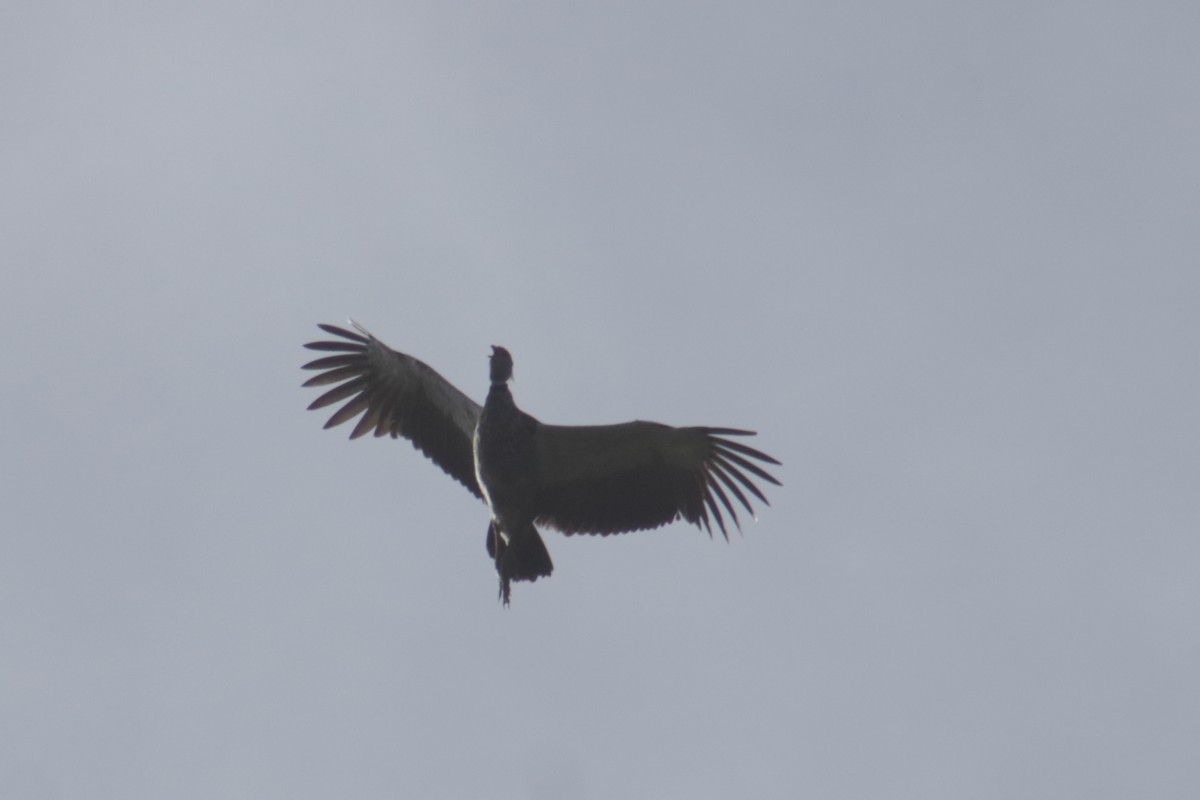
(943, 257)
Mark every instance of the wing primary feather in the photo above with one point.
(716, 487)
(749, 451)
(719, 471)
(345, 334)
(349, 411)
(734, 472)
(344, 347)
(335, 375)
(338, 393)
(716, 512)
(730, 432)
(329, 362)
(747, 465)
(369, 421)
(361, 329)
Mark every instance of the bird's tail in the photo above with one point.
(521, 558)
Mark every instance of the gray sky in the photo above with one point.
(943, 257)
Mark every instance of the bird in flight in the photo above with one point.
(595, 479)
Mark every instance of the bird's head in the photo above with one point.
(502, 364)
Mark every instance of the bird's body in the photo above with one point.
(579, 479)
(506, 470)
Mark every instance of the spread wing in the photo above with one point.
(639, 475)
(397, 395)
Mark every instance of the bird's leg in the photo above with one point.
(497, 545)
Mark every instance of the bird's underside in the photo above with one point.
(600, 479)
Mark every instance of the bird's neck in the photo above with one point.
(499, 391)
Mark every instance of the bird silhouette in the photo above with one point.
(595, 479)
